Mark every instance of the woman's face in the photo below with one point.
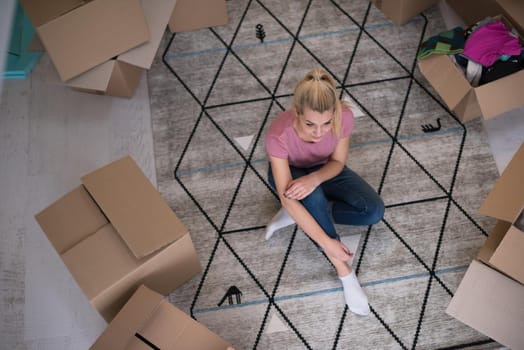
(312, 126)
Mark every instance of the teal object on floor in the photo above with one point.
(20, 61)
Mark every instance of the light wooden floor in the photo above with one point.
(49, 137)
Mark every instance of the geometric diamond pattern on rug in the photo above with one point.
(214, 92)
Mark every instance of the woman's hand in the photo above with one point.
(337, 250)
(302, 187)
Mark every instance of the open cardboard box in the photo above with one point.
(120, 76)
(147, 321)
(400, 11)
(79, 34)
(115, 232)
(196, 14)
(488, 100)
(504, 248)
(490, 298)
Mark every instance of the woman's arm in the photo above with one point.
(303, 186)
(282, 177)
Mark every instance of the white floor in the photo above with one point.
(49, 137)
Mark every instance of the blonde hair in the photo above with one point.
(317, 91)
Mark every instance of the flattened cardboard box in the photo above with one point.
(197, 14)
(116, 232)
(147, 321)
(400, 11)
(79, 35)
(120, 76)
(504, 248)
(488, 100)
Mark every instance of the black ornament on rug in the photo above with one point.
(430, 127)
(260, 32)
(233, 290)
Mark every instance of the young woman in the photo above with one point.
(308, 147)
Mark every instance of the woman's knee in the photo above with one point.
(375, 210)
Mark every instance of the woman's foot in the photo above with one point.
(280, 220)
(356, 299)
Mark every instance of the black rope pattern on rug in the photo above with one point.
(273, 99)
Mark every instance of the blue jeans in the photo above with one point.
(354, 201)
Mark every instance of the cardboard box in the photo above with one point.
(79, 35)
(196, 14)
(120, 76)
(115, 232)
(400, 11)
(148, 321)
(488, 100)
(490, 298)
(491, 303)
(504, 248)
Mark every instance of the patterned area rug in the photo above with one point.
(213, 94)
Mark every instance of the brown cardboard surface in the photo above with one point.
(514, 9)
(400, 11)
(178, 261)
(97, 256)
(120, 76)
(99, 260)
(445, 78)
(492, 304)
(157, 14)
(493, 241)
(133, 315)
(509, 256)
(506, 199)
(170, 328)
(196, 14)
(134, 207)
(40, 12)
(158, 321)
(501, 95)
(71, 219)
(472, 11)
(124, 79)
(90, 34)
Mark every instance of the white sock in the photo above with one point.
(280, 220)
(355, 297)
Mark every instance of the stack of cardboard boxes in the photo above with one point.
(490, 298)
(115, 233)
(103, 46)
(488, 100)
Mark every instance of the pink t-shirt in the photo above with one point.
(282, 141)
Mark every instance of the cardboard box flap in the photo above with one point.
(157, 13)
(446, 78)
(71, 219)
(492, 242)
(506, 199)
(492, 304)
(509, 257)
(472, 11)
(134, 207)
(99, 261)
(96, 79)
(501, 95)
(514, 9)
(131, 317)
(92, 34)
(40, 12)
(124, 79)
(195, 14)
(171, 329)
